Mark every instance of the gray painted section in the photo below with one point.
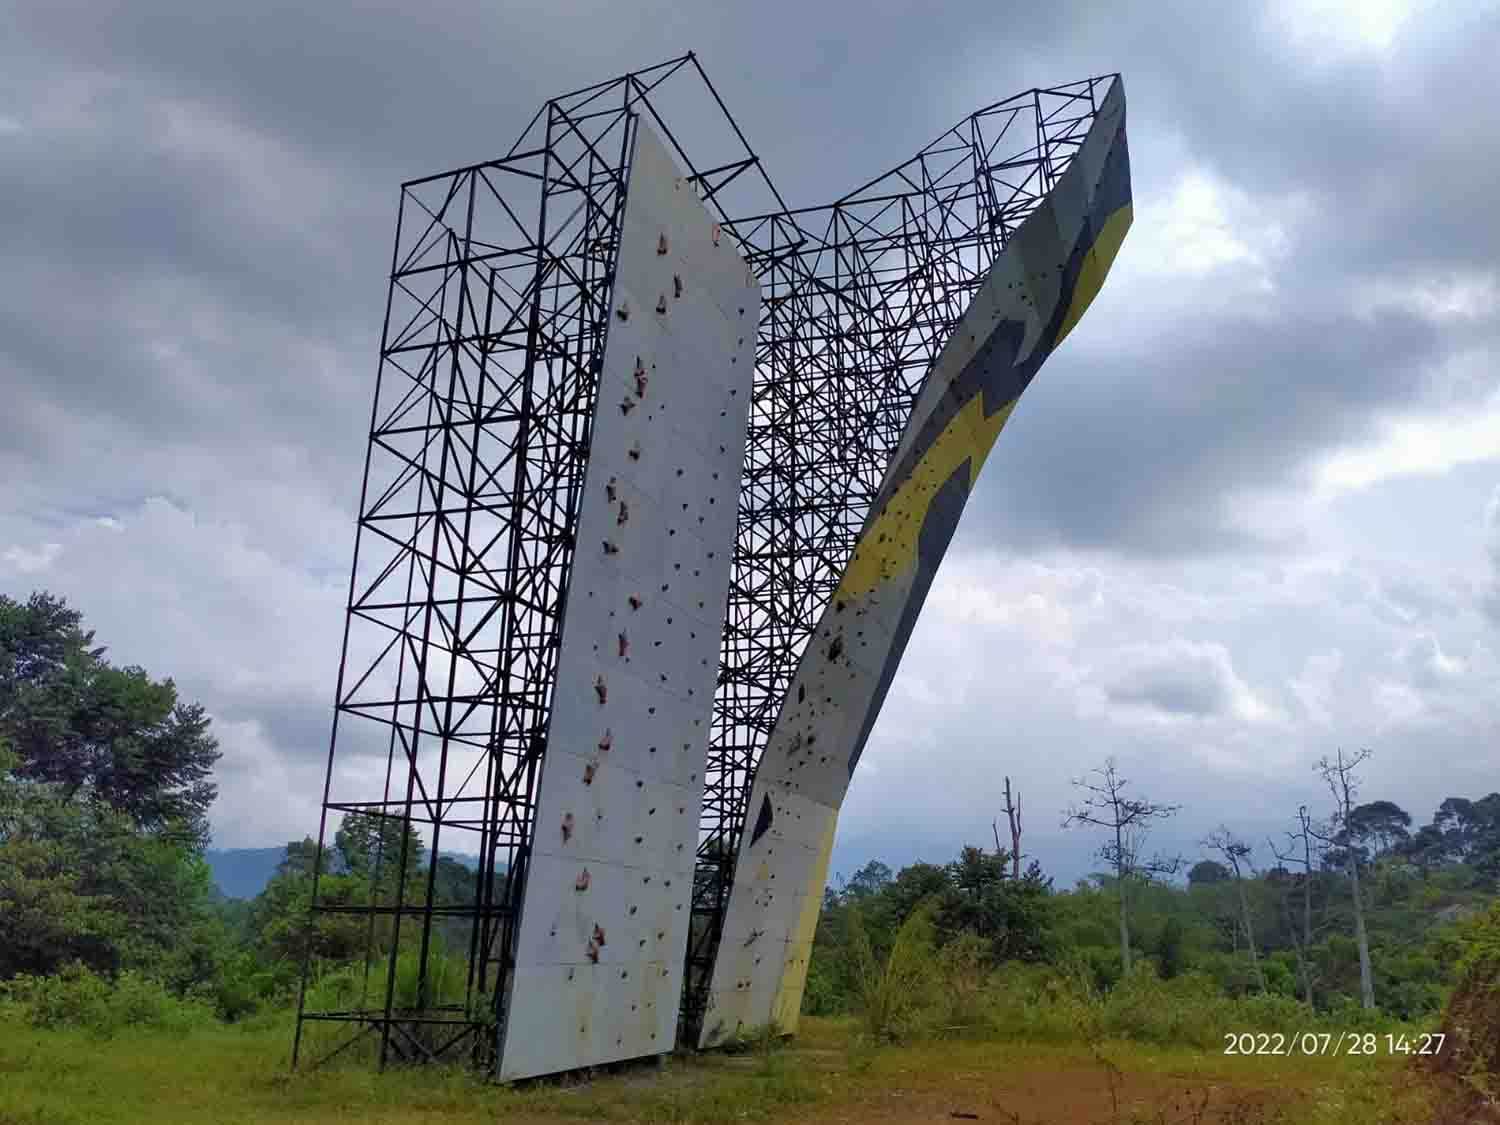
(622, 780)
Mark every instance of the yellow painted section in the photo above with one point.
(788, 1003)
(889, 547)
(1095, 266)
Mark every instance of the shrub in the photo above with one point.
(896, 998)
(77, 997)
(823, 994)
(962, 966)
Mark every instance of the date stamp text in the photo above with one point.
(1331, 1043)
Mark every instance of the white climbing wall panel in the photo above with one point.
(604, 918)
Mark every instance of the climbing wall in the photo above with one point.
(604, 919)
(1033, 296)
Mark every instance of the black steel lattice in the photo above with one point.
(500, 288)
(861, 296)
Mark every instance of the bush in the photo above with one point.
(824, 993)
(896, 998)
(962, 967)
(78, 997)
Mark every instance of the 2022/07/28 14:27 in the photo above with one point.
(1328, 1043)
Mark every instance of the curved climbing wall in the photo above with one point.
(1033, 296)
(604, 915)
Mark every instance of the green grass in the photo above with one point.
(232, 1074)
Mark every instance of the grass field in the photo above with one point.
(827, 1074)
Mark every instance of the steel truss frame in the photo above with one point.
(861, 296)
(500, 289)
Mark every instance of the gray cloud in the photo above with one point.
(198, 218)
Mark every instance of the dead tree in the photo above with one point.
(1236, 854)
(1343, 784)
(1128, 820)
(1301, 841)
(1013, 816)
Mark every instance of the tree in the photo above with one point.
(100, 733)
(1343, 784)
(1008, 915)
(1206, 873)
(869, 880)
(374, 847)
(80, 882)
(1382, 824)
(1236, 854)
(1169, 951)
(1128, 820)
(1471, 832)
(104, 795)
(1301, 841)
(1013, 818)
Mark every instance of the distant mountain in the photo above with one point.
(244, 872)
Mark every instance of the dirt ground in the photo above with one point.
(1061, 1096)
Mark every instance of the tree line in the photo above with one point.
(106, 785)
(1352, 908)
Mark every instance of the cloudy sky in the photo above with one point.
(1248, 514)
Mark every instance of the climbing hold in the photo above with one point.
(635, 602)
(589, 769)
(610, 548)
(640, 384)
(599, 689)
(676, 285)
(624, 515)
(567, 827)
(598, 935)
(623, 312)
(634, 452)
(661, 243)
(607, 741)
(593, 952)
(716, 234)
(624, 645)
(626, 405)
(609, 489)
(582, 882)
(661, 304)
